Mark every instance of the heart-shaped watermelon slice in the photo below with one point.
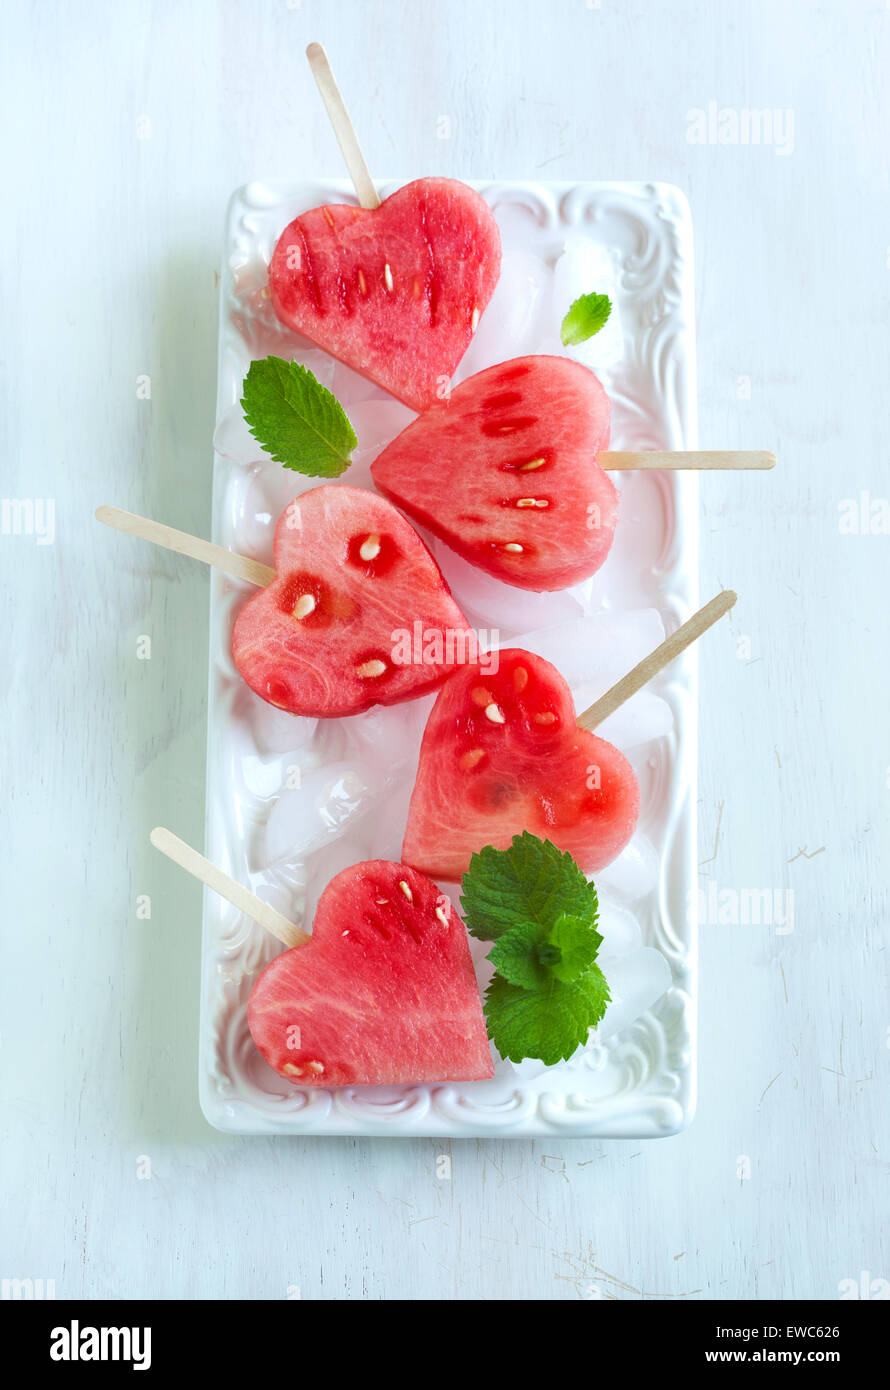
(384, 993)
(395, 292)
(501, 754)
(329, 636)
(504, 471)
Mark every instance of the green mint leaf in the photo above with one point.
(516, 956)
(537, 907)
(548, 1023)
(532, 882)
(296, 419)
(587, 315)
(577, 942)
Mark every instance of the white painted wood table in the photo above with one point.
(131, 123)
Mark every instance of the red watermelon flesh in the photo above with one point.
(505, 472)
(321, 639)
(395, 292)
(383, 994)
(501, 754)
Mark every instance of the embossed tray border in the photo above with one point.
(649, 1067)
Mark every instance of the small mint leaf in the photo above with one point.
(531, 882)
(297, 420)
(515, 956)
(586, 316)
(549, 1023)
(577, 942)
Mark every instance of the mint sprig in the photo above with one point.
(586, 316)
(299, 422)
(537, 907)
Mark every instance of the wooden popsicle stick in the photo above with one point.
(657, 660)
(240, 566)
(248, 903)
(343, 127)
(676, 459)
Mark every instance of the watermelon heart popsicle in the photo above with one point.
(502, 754)
(395, 292)
(504, 471)
(382, 993)
(505, 753)
(352, 573)
(328, 634)
(508, 470)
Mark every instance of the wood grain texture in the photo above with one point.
(141, 118)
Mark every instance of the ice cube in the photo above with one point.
(639, 720)
(512, 323)
(350, 386)
(592, 653)
(320, 364)
(256, 503)
(233, 440)
(636, 982)
(273, 729)
(387, 735)
(586, 267)
(376, 424)
(490, 604)
(634, 873)
(325, 865)
(619, 928)
(387, 831)
(285, 898)
(328, 800)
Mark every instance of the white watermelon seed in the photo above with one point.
(406, 890)
(474, 321)
(362, 282)
(514, 547)
(387, 276)
(533, 502)
(370, 548)
(291, 1069)
(469, 759)
(317, 1067)
(493, 713)
(304, 605)
(371, 668)
(532, 463)
(442, 914)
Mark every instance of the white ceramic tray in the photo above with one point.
(289, 803)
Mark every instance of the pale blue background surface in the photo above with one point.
(110, 253)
